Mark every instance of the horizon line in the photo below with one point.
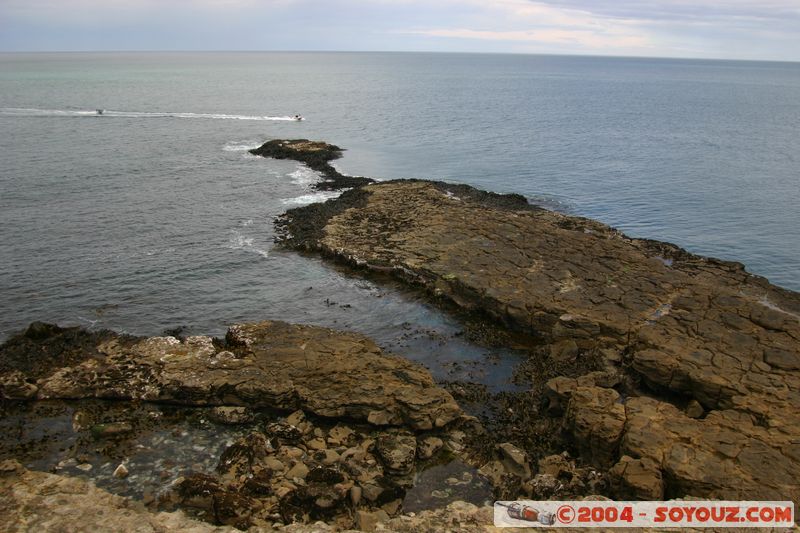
(548, 54)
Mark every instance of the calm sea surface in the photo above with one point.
(154, 215)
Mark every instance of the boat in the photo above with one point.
(297, 118)
(100, 111)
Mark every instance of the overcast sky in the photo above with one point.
(730, 29)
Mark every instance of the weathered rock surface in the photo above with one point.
(636, 479)
(729, 454)
(689, 327)
(596, 418)
(37, 501)
(264, 365)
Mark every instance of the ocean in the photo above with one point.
(153, 215)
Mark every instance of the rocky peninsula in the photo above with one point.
(649, 373)
(696, 382)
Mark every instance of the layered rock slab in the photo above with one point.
(696, 325)
(265, 365)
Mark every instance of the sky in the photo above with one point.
(725, 29)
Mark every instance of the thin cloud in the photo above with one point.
(534, 23)
(752, 29)
(716, 28)
(682, 10)
(545, 36)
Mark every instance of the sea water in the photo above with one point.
(153, 215)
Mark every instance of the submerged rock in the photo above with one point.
(111, 429)
(37, 501)
(231, 415)
(397, 451)
(368, 521)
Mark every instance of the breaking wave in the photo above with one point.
(240, 146)
(239, 241)
(312, 198)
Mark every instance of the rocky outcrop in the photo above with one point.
(43, 348)
(699, 334)
(317, 156)
(265, 365)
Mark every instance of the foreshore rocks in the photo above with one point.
(698, 387)
(266, 365)
(294, 471)
(38, 501)
(363, 421)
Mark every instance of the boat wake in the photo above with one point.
(33, 112)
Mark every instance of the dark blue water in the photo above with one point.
(153, 215)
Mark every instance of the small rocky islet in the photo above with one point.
(651, 373)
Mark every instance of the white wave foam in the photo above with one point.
(33, 112)
(155, 251)
(305, 177)
(553, 203)
(313, 198)
(338, 169)
(240, 146)
(239, 241)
